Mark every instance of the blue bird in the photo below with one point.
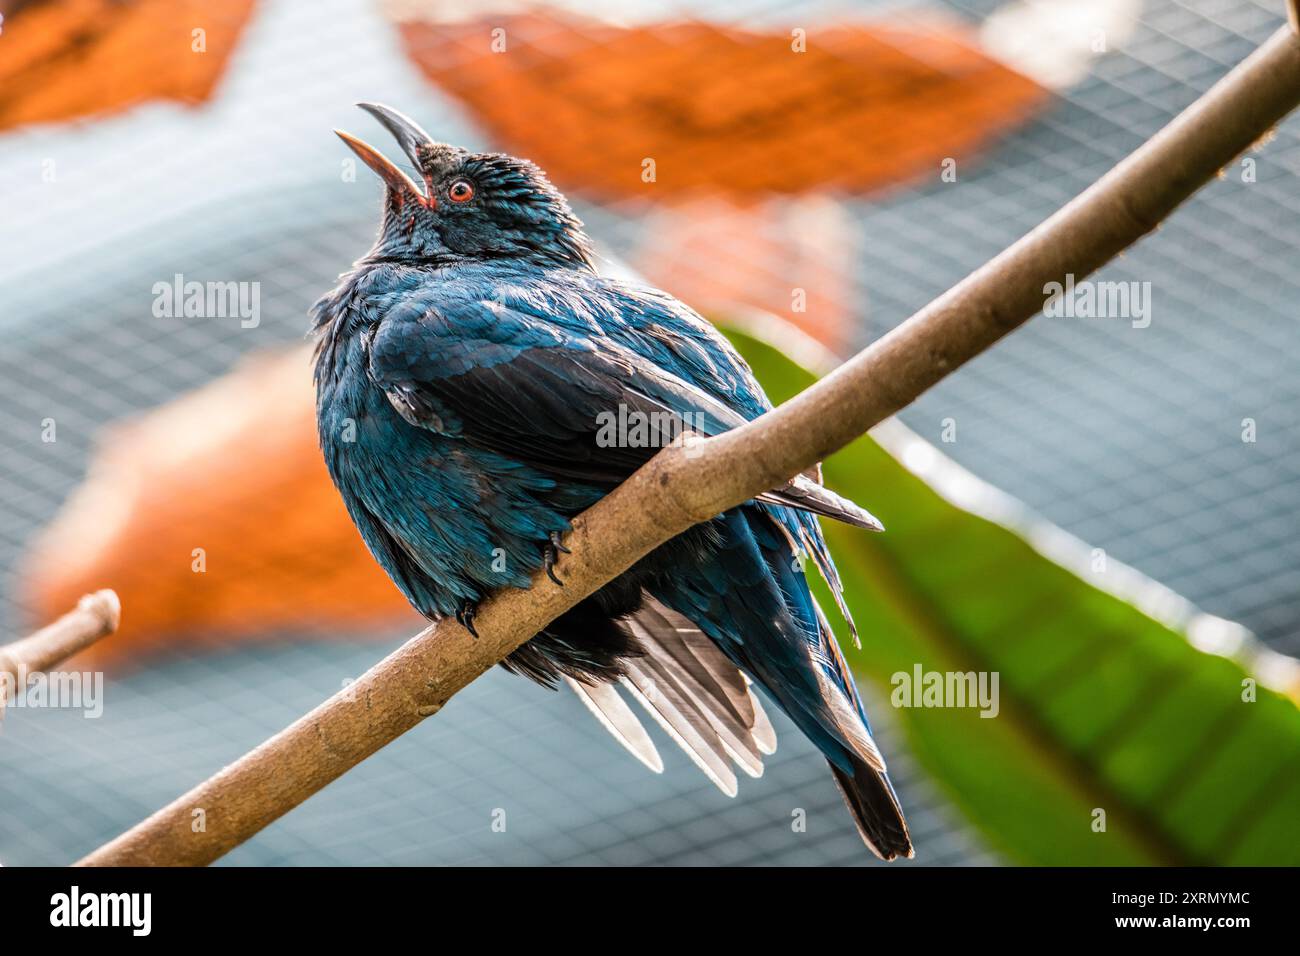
(479, 384)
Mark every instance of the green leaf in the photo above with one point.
(1101, 705)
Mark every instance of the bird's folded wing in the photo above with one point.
(564, 405)
(805, 494)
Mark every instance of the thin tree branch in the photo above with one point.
(96, 615)
(685, 485)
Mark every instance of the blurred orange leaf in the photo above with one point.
(214, 520)
(720, 108)
(68, 58)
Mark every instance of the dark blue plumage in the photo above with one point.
(462, 369)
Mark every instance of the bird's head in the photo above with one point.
(467, 205)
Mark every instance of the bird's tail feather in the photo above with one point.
(605, 703)
(782, 639)
(874, 805)
(693, 691)
(702, 699)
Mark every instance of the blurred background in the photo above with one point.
(806, 174)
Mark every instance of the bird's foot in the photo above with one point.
(465, 617)
(551, 554)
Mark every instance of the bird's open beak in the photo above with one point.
(409, 137)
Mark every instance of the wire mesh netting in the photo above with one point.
(1116, 433)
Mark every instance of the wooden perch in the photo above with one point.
(96, 615)
(685, 485)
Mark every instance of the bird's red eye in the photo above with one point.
(461, 191)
